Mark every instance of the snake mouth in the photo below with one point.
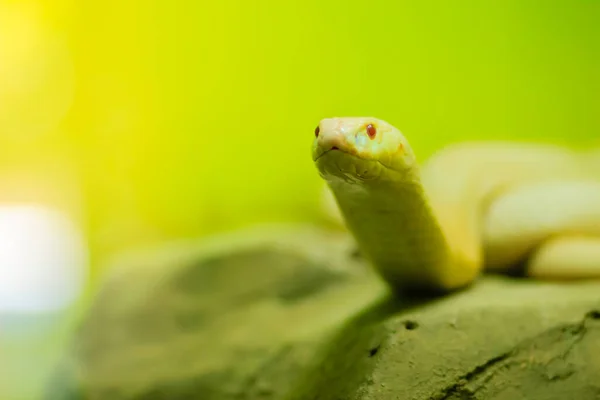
(355, 156)
(329, 150)
(351, 166)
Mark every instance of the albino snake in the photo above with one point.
(493, 205)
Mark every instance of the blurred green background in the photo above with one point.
(145, 121)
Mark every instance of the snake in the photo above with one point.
(470, 207)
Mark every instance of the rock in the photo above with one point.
(293, 313)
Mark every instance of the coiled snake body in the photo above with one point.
(471, 206)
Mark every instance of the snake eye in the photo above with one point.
(317, 130)
(371, 131)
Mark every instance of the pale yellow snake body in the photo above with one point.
(437, 225)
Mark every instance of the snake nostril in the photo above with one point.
(317, 130)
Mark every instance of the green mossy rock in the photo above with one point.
(293, 313)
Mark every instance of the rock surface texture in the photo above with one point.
(293, 313)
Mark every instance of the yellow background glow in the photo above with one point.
(156, 120)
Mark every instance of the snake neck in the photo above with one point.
(399, 233)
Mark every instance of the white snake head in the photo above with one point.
(361, 149)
